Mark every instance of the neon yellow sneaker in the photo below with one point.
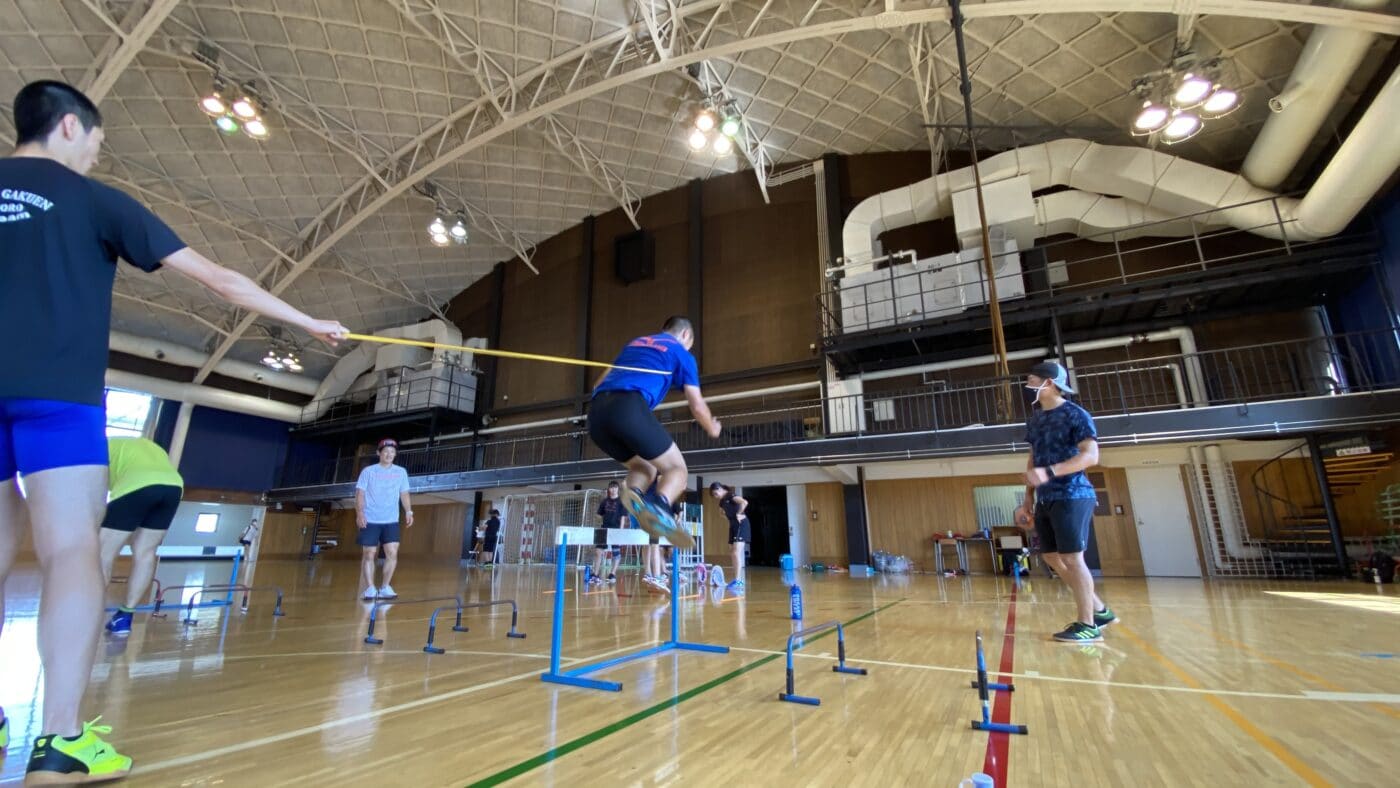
(86, 759)
(4, 734)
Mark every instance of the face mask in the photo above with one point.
(1031, 394)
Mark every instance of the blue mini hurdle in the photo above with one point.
(610, 537)
(984, 688)
(840, 667)
(201, 553)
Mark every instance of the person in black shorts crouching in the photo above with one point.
(146, 491)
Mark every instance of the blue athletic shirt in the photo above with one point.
(60, 236)
(661, 352)
(1054, 436)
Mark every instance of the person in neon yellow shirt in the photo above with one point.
(145, 494)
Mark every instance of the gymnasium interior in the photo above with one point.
(878, 216)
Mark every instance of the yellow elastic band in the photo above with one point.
(498, 353)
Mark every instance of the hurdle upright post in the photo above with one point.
(558, 627)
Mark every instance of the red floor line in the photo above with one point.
(998, 744)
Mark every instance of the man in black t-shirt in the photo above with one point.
(61, 234)
(488, 544)
(613, 513)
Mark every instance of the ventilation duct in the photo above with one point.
(183, 356)
(1327, 63)
(1154, 184)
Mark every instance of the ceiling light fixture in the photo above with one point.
(705, 120)
(282, 354)
(1178, 99)
(729, 127)
(244, 114)
(697, 140)
(723, 146)
(458, 230)
(715, 125)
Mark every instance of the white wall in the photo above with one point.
(233, 518)
(797, 523)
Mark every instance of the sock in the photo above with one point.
(125, 609)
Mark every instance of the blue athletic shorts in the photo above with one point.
(376, 534)
(39, 435)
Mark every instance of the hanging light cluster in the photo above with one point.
(446, 228)
(234, 110)
(281, 356)
(714, 126)
(1177, 101)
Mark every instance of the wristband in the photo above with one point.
(1050, 471)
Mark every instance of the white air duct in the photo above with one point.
(1154, 184)
(1328, 61)
(183, 356)
(204, 396)
(350, 371)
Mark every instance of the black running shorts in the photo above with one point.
(621, 424)
(740, 531)
(1063, 526)
(151, 507)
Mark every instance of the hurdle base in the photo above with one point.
(803, 699)
(459, 629)
(434, 650)
(374, 641)
(520, 635)
(575, 678)
(999, 727)
(576, 681)
(996, 686)
(852, 671)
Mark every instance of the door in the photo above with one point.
(768, 522)
(1163, 523)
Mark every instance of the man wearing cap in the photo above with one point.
(1059, 499)
(378, 493)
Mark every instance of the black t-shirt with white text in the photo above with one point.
(61, 234)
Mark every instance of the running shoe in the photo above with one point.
(1104, 617)
(387, 591)
(1079, 632)
(612, 578)
(4, 734)
(370, 594)
(120, 623)
(86, 758)
(735, 587)
(653, 514)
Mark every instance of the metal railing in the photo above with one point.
(1311, 367)
(408, 390)
(911, 291)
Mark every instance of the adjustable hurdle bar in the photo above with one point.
(374, 613)
(983, 686)
(610, 537)
(791, 695)
(189, 554)
(243, 605)
(457, 627)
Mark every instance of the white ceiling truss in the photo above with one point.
(526, 115)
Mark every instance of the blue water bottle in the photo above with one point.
(795, 601)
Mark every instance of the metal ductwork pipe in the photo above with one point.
(1327, 63)
(204, 396)
(183, 356)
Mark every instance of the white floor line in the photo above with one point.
(372, 652)
(185, 760)
(1354, 697)
(1332, 697)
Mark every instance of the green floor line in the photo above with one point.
(588, 738)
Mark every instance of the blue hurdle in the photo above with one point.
(840, 667)
(190, 553)
(983, 686)
(608, 537)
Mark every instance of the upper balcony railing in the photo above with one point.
(1314, 367)
(901, 290)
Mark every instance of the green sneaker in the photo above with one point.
(1104, 617)
(1079, 633)
(87, 759)
(4, 734)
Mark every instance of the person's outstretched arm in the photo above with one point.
(239, 290)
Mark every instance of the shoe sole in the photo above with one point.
(654, 524)
(1077, 641)
(1106, 624)
(72, 778)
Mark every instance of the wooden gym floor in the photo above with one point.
(1224, 683)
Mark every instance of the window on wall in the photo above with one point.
(128, 413)
(206, 522)
(996, 504)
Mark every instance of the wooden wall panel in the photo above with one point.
(905, 514)
(540, 314)
(826, 535)
(285, 534)
(435, 535)
(623, 312)
(761, 270)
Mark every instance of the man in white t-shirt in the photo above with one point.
(378, 493)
